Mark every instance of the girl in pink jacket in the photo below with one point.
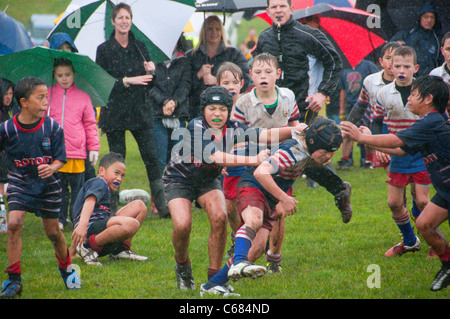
(73, 110)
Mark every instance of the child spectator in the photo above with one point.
(73, 110)
(34, 145)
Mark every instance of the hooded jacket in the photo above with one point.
(72, 109)
(425, 42)
(296, 42)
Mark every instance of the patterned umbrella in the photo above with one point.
(158, 23)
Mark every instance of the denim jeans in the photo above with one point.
(164, 142)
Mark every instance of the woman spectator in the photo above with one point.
(206, 58)
(127, 60)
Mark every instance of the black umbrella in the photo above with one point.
(230, 5)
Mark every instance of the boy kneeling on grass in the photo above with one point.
(262, 198)
(430, 135)
(97, 234)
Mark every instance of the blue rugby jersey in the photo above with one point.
(430, 136)
(292, 158)
(26, 149)
(97, 187)
(190, 162)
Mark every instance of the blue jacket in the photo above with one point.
(425, 42)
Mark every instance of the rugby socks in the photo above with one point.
(445, 256)
(404, 224)
(415, 210)
(244, 239)
(92, 244)
(14, 272)
(273, 258)
(64, 264)
(221, 277)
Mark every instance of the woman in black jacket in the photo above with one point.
(169, 98)
(126, 59)
(206, 58)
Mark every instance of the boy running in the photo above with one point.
(262, 198)
(429, 137)
(34, 145)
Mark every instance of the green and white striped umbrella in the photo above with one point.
(158, 23)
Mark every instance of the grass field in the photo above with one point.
(322, 257)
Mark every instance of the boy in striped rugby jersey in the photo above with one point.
(262, 198)
(392, 107)
(34, 146)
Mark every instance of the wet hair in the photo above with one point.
(405, 51)
(117, 7)
(288, 1)
(434, 86)
(389, 46)
(25, 87)
(232, 68)
(265, 58)
(62, 62)
(202, 36)
(110, 159)
(5, 84)
(445, 38)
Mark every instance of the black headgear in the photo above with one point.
(323, 134)
(216, 95)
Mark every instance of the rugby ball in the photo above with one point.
(128, 195)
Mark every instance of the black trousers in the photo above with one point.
(146, 144)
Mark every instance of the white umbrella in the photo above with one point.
(158, 23)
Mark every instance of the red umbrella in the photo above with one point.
(347, 28)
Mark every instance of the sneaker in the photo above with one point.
(217, 291)
(127, 254)
(441, 280)
(401, 249)
(367, 165)
(70, 278)
(274, 268)
(246, 269)
(342, 201)
(185, 280)
(11, 289)
(343, 164)
(88, 255)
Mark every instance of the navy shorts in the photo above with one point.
(42, 206)
(191, 193)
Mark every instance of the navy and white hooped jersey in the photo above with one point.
(26, 149)
(288, 160)
(190, 162)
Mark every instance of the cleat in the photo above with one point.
(217, 291)
(185, 280)
(401, 249)
(70, 278)
(11, 289)
(88, 255)
(274, 268)
(246, 269)
(441, 280)
(127, 254)
(344, 164)
(342, 201)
